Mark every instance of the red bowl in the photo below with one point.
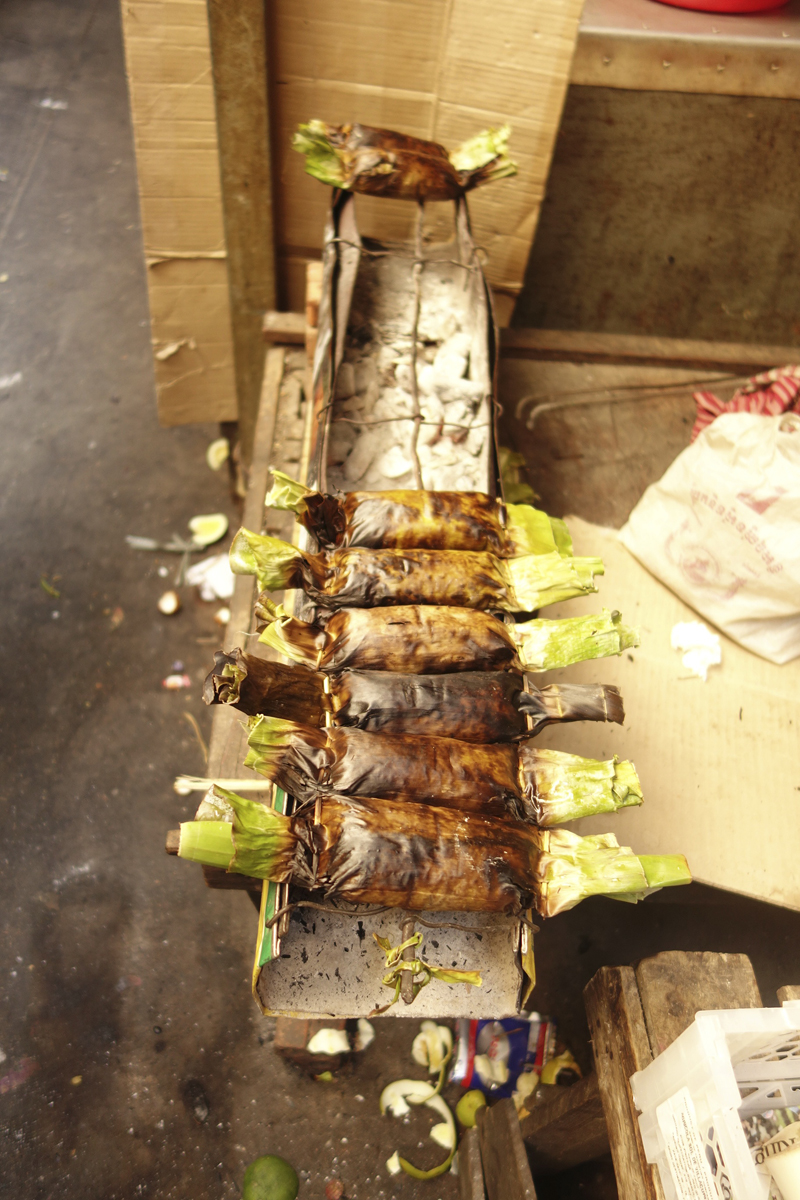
(727, 6)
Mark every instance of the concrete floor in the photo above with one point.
(134, 1061)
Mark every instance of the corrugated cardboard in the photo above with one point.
(718, 761)
(440, 69)
(172, 104)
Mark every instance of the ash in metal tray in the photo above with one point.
(369, 447)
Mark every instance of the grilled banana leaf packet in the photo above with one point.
(363, 578)
(437, 640)
(545, 786)
(473, 706)
(381, 162)
(420, 520)
(420, 858)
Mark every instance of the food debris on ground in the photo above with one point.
(208, 528)
(217, 453)
(169, 603)
(174, 683)
(700, 647)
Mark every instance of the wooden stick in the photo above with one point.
(417, 277)
(407, 979)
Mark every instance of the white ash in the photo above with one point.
(374, 384)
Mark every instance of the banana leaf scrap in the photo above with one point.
(474, 706)
(436, 640)
(420, 857)
(363, 578)
(381, 162)
(544, 786)
(406, 520)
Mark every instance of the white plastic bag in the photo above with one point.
(722, 529)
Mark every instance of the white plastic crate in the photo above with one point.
(727, 1065)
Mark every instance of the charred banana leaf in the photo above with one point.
(380, 162)
(473, 706)
(358, 577)
(349, 762)
(545, 786)
(421, 520)
(435, 640)
(421, 858)
(255, 686)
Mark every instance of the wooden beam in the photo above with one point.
(562, 345)
(470, 1169)
(238, 40)
(677, 984)
(505, 1164)
(567, 1128)
(285, 328)
(621, 1046)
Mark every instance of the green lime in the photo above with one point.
(468, 1106)
(270, 1178)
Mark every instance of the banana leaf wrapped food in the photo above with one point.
(474, 706)
(435, 640)
(420, 858)
(363, 578)
(544, 786)
(413, 519)
(381, 162)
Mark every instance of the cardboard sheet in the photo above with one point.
(440, 69)
(719, 761)
(168, 62)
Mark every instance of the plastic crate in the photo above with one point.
(727, 1065)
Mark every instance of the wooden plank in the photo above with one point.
(790, 992)
(237, 34)
(228, 741)
(470, 1169)
(558, 345)
(621, 1046)
(288, 328)
(506, 1173)
(566, 1129)
(677, 984)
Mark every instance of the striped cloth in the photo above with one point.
(771, 393)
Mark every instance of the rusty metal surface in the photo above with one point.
(653, 47)
(672, 215)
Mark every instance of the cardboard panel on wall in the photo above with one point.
(172, 105)
(441, 69)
